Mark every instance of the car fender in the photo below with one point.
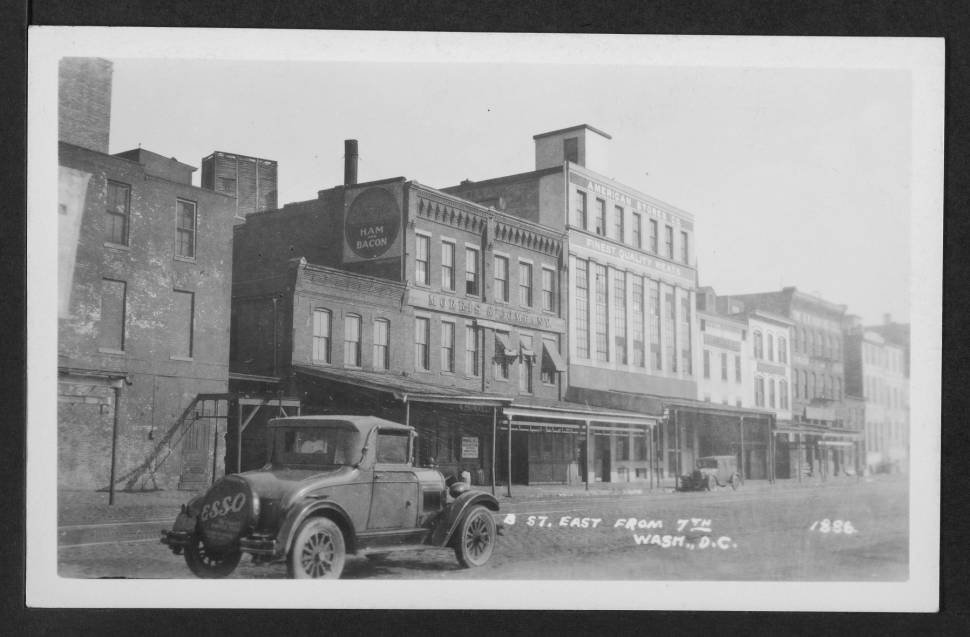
(445, 529)
(299, 513)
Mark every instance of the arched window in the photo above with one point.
(771, 393)
(771, 346)
(782, 350)
(812, 386)
(796, 385)
(758, 345)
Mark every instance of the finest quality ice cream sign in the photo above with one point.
(372, 224)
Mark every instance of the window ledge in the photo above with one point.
(118, 247)
(184, 259)
(181, 358)
(110, 350)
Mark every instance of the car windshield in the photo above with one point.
(707, 463)
(317, 446)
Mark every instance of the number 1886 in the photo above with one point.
(833, 526)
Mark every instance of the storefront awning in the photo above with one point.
(807, 429)
(551, 358)
(503, 347)
(403, 388)
(526, 348)
(564, 415)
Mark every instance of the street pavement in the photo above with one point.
(785, 531)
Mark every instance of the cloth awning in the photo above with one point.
(551, 358)
(403, 388)
(503, 347)
(525, 348)
(565, 415)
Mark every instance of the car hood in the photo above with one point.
(274, 484)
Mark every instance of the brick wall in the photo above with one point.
(163, 380)
(84, 102)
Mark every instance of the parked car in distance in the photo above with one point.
(333, 486)
(712, 472)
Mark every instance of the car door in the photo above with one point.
(394, 500)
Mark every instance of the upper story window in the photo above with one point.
(783, 394)
(352, 340)
(724, 366)
(669, 241)
(707, 364)
(771, 347)
(422, 259)
(447, 346)
(759, 392)
(737, 368)
(422, 338)
(600, 217)
(759, 351)
(471, 351)
(782, 350)
(550, 356)
(654, 236)
(771, 393)
(525, 284)
(111, 328)
(447, 265)
(637, 232)
(618, 230)
(548, 289)
(382, 340)
(117, 213)
(471, 271)
(684, 247)
(501, 278)
(321, 335)
(582, 214)
(185, 230)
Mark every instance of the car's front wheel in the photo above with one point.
(735, 481)
(711, 483)
(209, 564)
(318, 551)
(476, 537)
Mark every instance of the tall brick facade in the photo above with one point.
(144, 318)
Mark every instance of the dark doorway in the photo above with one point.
(603, 465)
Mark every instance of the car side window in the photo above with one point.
(392, 447)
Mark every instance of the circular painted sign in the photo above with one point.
(226, 512)
(372, 223)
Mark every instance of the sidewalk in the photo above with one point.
(91, 507)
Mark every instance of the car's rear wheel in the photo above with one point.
(210, 564)
(318, 552)
(476, 537)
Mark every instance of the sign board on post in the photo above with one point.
(469, 447)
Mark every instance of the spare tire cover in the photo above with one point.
(227, 511)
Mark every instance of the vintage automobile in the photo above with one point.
(712, 472)
(333, 485)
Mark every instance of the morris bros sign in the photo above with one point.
(372, 225)
(492, 313)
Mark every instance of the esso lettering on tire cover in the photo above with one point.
(226, 513)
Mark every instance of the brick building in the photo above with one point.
(631, 282)
(818, 442)
(394, 298)
(877, 371)
(144, 259)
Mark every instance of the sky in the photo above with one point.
(795, 176)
